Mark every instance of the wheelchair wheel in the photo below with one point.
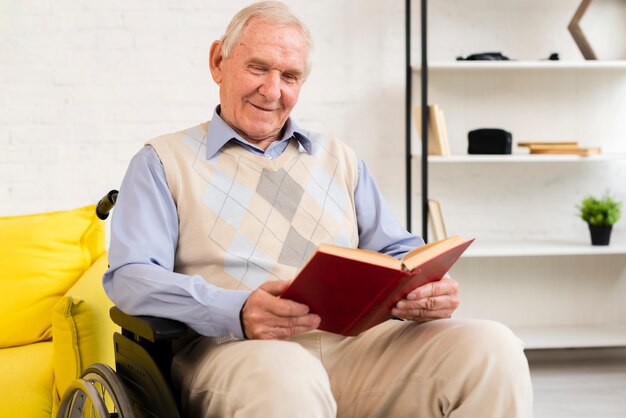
(98, 393)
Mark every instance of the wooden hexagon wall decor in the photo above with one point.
(605, 26)
(577, 33)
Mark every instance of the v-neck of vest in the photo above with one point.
(275, 164)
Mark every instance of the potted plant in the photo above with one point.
(600, 215)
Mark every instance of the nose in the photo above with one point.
(270, 88)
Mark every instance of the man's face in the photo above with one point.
(261, 80)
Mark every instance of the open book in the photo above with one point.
(353, 289)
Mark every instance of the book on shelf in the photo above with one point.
(548, 143)
(437, 131)
(435, 220)
(354, 289)
(442, 131)
(558, 147)
(566, 150)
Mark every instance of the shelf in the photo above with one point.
(584, 93)
(522, 158)
(573, 336)
(534, 248)
(523, 65)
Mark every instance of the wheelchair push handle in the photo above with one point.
(105, 204)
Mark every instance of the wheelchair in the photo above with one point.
(141, 385)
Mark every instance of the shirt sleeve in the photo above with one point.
(144, 235)
(379, 229)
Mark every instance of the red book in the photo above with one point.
(353, 289)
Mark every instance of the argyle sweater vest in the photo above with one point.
(244, 219)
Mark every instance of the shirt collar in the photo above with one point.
(219, 133)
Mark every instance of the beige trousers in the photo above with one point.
(446, 368)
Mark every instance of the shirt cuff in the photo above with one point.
(223, 314)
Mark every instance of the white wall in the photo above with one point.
(84, 83)
(523, 29)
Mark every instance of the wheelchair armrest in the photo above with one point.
(150, 328)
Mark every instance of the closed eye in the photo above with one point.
(257, 69)
(291, 78)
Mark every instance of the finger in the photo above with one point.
(275, 287)
(263, 309)
(290, 332)
(445, 286)
(286, 328)
(308, 321)
(282, 307)
(421, 315)
(430, 303)
(288, 308)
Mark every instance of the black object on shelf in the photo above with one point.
(484, 56)
(498, 56)
(489, 141)
(554, 57)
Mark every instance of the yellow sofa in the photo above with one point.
(54, 316)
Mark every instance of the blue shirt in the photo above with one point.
(144, 236)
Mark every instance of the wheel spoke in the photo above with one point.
(99, 393)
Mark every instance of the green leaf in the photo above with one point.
(600, 212)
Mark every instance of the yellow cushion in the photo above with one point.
(82, 328)
(42, 255)
(26, 380)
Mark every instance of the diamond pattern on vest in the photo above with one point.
(248, 219)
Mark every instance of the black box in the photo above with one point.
(489, 141)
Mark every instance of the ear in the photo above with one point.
(215, 61)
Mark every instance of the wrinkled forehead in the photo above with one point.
(277, 24)
(285, 33)
(287, 41)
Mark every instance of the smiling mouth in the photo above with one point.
(261, 108)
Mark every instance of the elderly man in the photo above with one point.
(214, 221)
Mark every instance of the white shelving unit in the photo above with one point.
(522, 158)
(532, 266)
(541, 248)
(525, 65)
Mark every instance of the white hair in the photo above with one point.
(274, 12)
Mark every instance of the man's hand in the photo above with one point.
(266, 316)
(431, 301)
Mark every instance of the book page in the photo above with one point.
(424, 253)
(362, 255)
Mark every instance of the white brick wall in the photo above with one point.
(84, 83)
